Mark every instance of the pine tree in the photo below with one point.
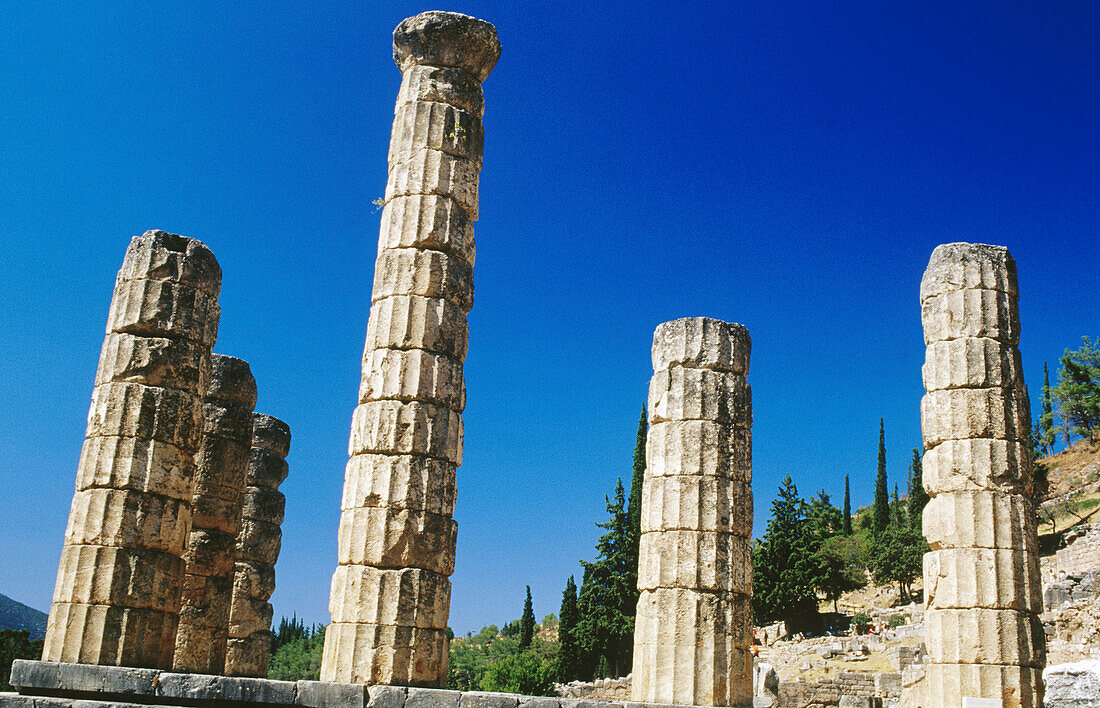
(918, 498)
(634, 506)
(1046, 418)
(881, 510)
(569, 654)
(847, 509)
(1078, 390)
(784, 568)
(527, 623)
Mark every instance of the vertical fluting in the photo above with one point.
(257, 549)
(693, 629)
(390, 593)
(117, 597)
(220, 478)
(981, 577)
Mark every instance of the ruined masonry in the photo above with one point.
(981, 578)
(693, 632)
(390, 595)
(221, 474)
(257, 548)
(117, 597)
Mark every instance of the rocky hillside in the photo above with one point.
(16, 615)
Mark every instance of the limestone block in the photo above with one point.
(115, 517)
(971, 362)
(438, 38)
(210, 512)
(412, 375)
(996, 579)
(104, 634)
(434, 172)
(692, 618)
(407, 597)
(700, 560)
(153, 361)
(700, 394)
(966, 266)
(248, 616)
(133, 410)
(384, 654)
(415, 271)
(437, 126)
(427, 221)
(158, 255)
(248, 656)
(443, 84)
(162, 308)
(397, 538)
(400, 482)
(210, 553)
(122, 577)
(414, 428)
(412, 322)
(971, 313)
(270, 433)
(980, 520)
(266, 468)
(696, 503)
(979, 636)
(137, 464)
(228, 422)
(259, 542)
(231, 382)
(692, 675)
(201, 648)
(699, 447)
(964, 413)
(254, 580)
(978, 464)
(702, 343)
(1016, 686)
(205, 601)
(264, 504)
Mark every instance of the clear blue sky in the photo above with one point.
(789, 166)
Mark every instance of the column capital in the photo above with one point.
(446, 39)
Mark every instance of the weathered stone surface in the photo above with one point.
(981, 519)
(487, 699)
(264, 504)
(416, 271)
(159, 255)
(699, 447)
(407, 597)
(216, 514)
(259, 541)
(444, 85)
(254, 580)
(449, 39)
(210, 553)
(968, 266)
(117, 517)
(433, 172)
(134, 410)
(98, 575)
(1075, 685)
(693, 618)
(427, 221)
(105, 634)
(696, 503)
(153, 361)
(692, 675)
(400, 482)
(1017, 686)
(435, 126)
(136, 464)
(961, 414)
(397, 538)
(367, 653)
(978, 464)
(999, 579)
(231, 382)
(248, 656)
(202, 599)
(413, 322)
(413, 428)
(980, 636)
(227, 422)
(198, 687)
(270, 433)
(432, 698)
(702, 343)
(971, 313)
(700, 394)
(700, 560)
(248, 616)
(162, 308)
(320, 694)
(201, 645)
(266, 468)
(412, 375)
(971, 362)
(387, 696)
(48, 677)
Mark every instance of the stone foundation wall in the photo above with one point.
(847, 685)
(1081, 554)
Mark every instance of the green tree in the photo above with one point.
(1078, 390)
(16, 644)
(823, 518)
(527, 623)
(918, 498)
(897, 555)
(847, 518)
(840, 567)
(1046, 431)
(784, 568)
(299, 652)
(525, 673)
(881, 511)
(569, 653)
(634, 505)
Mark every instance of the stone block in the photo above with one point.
(320, 694)
(432, 698)
(487, 699)
(137, 464)
(53, 677)
(968, 266)
(696, 503)
(996, 579)
(132, 410)
(444, 84)
(413, 322)
(206, 599)
(266, 468)
(264, 504)
(161, 308)
(232, 422)
(102, 634)
(691, 618)
(412, 375)
(702, 343)
(270, 433)
(695, 560)
(1017, 686)
(971, 362)
(1073, 685)
(437, 126)
(387, 696)
(428, 221)
(699, 447)
(210, 553)
(700, 394)
(231, 382)
(414, 428)
(154, 361)
(397, 538)
(446, 39)
(248, 616)
(159, 255)
(259, 542)
(367, 653)
(961, 414)
(128, 519)
(978, 464)
(200, 648)
(230, 689)
(408, 597)
(434, 172)
(248, 656)
(980, 636)
(980, 519)
(122, 577)
(432, 274)
(212, 513)
(400, 482)
(971, 313)
(254, 580)
(691, 675)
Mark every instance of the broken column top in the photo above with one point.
(446, 39)
(968, 266)
(270, 433)
(231, 381)
(159, 255)
(702, 343)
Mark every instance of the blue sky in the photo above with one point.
(789, 166)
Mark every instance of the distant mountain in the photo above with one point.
(16, 615)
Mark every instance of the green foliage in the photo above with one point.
(527, 623)
(861, 622)
(527, 673)
(569, 653)
(16, 644)
(897, 555)
(511, 629)
(297, 651)
(847, 511)
(634, 505)
(1078, 390)
(895, 621)
(1045, 432)
(881, 512)
(784, 566)
(918, 498)
(840, 567)
(492, 662)
(823, 518)
(550, 621)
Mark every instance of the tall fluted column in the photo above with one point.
(257, 549)
(693, 630)
(221, 475)
(117, 596)
(981, 578)
(390, 593)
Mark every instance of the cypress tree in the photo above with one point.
(847, 521)
(527, 623)
(634, 505)
(1046, 418)
(569, 653)
(881, 512)
(917, 496)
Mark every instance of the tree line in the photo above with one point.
(1072, 407)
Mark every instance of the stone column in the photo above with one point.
(693, 631)
(390, 592)
(981, 578)
(257, 549)
(220, 478)
(117, 596)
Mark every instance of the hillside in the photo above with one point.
(1074, 478)
(16, 615)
